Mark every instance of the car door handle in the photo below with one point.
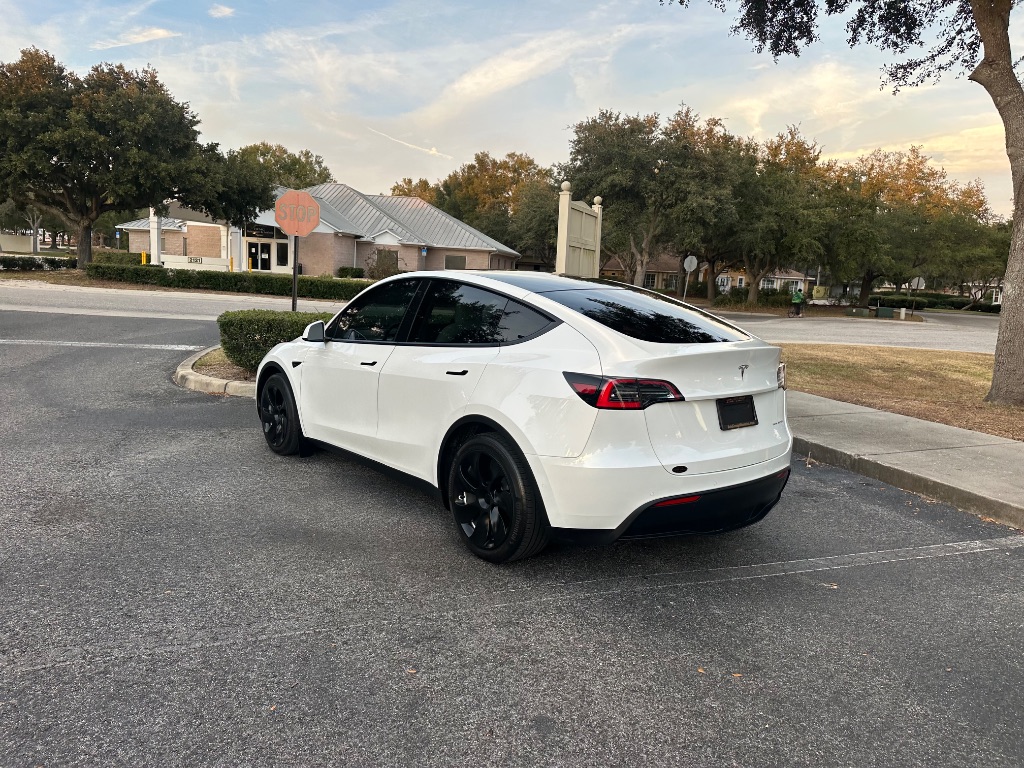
(457, 373)
(371, 364)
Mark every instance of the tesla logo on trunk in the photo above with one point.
(743, 371)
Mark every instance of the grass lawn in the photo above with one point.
(947, 387)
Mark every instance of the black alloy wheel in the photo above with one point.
(494, 500)
(279, 416)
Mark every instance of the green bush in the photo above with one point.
(238, 282)
(986, 307)
(36, 263)
(350, 272)
(247, 335)
(898, 300)
(117, 257)
(773, 297)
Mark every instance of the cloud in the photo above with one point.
(504, 71)
(969, 151)
(134, 38)
(432, 151)
(219, 11)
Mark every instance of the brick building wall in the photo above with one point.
(474, 259)
(138, 241)
(319, 254)
(204, 241)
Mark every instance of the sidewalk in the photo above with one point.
(973, 471)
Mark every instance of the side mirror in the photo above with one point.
(314, 332)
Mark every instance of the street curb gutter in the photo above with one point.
(187, 378)
(961, 498)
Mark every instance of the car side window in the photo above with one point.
(455, 313)
(377, 315)
(520, 322)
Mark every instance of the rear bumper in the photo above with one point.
(615, 491)
(715, 511)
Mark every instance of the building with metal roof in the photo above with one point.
(355, 231)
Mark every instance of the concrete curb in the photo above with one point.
(969, 501)
(187, 378)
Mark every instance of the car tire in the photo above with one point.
(494, 499)
(279, 416)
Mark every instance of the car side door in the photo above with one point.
(428, 380)
(339, 380)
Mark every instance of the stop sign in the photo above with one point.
(297, 213)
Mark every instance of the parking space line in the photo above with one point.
(781, 568)
(103, 344)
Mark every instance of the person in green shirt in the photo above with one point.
(798, 303)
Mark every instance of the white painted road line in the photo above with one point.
(104, 312)
(706, 576)
(103, 344)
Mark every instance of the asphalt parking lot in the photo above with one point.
(173, 593)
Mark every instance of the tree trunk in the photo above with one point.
(995, 74)
(865, 288)
(84, 243)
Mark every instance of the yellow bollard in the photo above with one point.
(143, 257)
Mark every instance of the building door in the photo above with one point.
(259, 255)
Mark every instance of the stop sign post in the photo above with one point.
(297, 214)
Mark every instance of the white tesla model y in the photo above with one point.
(541, 405)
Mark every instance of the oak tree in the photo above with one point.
(931, 38)
(295, 170)
(111, 140)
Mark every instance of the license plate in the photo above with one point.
(736, 412)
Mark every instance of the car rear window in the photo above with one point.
(647, 316)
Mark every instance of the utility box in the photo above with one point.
(884, 313)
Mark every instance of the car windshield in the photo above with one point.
(646, 316)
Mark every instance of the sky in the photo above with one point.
(414, 88)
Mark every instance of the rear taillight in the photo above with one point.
(621, 394)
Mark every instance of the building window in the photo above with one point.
(650, 280)
(723, 282)
(282, 254)
(455, 261)
(739, 282)
(671, 282)
(794, 285)
(768, 282)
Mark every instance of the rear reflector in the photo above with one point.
(621, 394)
(677, 500)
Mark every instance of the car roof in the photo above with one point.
(530, 282)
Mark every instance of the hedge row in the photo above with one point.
(123, 258)
(898, 300)
(34, 263)
(930, 301)
(240, 282)
(767, 297)
(247, 335)
(351, 272)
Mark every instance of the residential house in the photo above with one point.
(662, 274)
